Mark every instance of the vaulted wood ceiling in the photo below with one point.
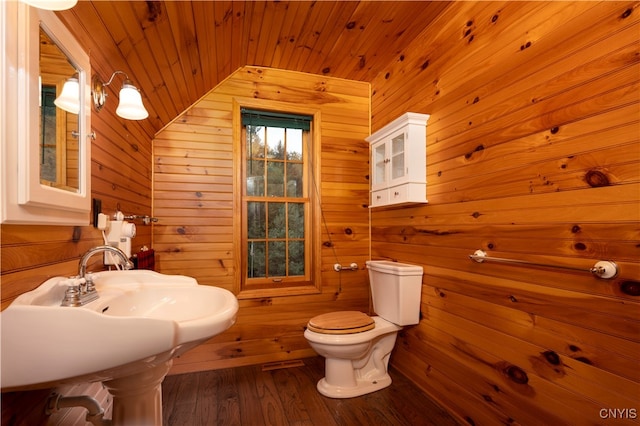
(176, 51)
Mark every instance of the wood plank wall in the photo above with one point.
(194, 196)
(533, 153)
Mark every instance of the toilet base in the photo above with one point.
(363, 387)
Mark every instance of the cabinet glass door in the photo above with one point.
(397, 157)
(380, 164)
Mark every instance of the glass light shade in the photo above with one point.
(130, 106)
(69, 99)
(51, 4)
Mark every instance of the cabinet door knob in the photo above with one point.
(378, 197)
(396, 193)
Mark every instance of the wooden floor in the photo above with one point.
(249, 396)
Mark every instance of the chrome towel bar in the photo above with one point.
(605, 269)
(145, 219)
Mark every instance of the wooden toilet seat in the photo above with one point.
(343, 322)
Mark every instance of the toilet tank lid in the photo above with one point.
(394, 267)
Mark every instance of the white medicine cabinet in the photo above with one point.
(399, 161)
(45, 151)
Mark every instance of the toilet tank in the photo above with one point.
(395, 290)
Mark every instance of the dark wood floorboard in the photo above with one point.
(248, 396)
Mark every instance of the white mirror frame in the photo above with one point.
(24, 199)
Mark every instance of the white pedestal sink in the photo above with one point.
(127, 338)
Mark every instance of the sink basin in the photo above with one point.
(142, 319)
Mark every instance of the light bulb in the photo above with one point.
(51, 4)
(130, 106)
(69, 99)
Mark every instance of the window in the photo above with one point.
(277, 201)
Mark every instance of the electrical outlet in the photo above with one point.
(103, 221)
(97, 209)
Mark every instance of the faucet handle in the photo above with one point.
(73, 291)
(75, 281)
(81, 283)
(89, 279)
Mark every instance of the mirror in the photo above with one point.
(58, 138)
(46, 151)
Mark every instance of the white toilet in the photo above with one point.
(357, 347)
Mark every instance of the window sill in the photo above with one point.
(277, 292)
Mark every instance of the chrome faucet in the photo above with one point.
(102, 249)
(81, 289)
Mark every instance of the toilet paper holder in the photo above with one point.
(352, 267)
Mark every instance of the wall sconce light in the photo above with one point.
(51, 4)
(130, 106)
(69, 99)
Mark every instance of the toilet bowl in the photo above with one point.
(356, 347)
(355, 364)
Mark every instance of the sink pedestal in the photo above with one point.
(137, 399)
